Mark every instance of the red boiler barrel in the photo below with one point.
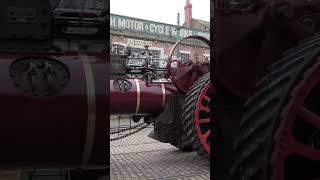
(53, 110)
(133, 96)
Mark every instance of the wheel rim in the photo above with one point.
(296, 146)
(202, 118)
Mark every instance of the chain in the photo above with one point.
(127, 129)
(126, 135)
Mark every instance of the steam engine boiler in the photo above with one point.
(53, 86)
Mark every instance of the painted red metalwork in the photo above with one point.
(141, 98)
(53, 130)
(202, 117)
(186, 74)
(286, 144)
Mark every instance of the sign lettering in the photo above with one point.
(137, 42)
(137, 25)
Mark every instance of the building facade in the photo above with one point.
(129, 34)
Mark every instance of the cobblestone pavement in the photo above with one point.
(140, 157)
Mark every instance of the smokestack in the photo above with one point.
(188, 13)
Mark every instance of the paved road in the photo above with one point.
(140, 157)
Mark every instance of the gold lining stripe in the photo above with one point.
(138, 96)
(163, 94)
(91, 100)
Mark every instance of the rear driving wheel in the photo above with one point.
(280, 130)
(296, 149)
(196, 115)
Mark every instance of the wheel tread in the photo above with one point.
(256, 125)
(188, 111)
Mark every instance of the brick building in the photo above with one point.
(132, 33)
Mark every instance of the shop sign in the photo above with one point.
(138, 42)
(118, 22)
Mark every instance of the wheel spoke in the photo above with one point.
(206, 109)
(205, 136)
(206, 120)
(202, 117)
(310, 117)
(206, 98)
(307, 151)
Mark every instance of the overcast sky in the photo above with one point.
(164, 11)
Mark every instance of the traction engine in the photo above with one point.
(267, 89)
(177, 105)
(54, 84)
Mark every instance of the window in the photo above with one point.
(184, 57)
(155, 54)
(137, 52)
(119, 49)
